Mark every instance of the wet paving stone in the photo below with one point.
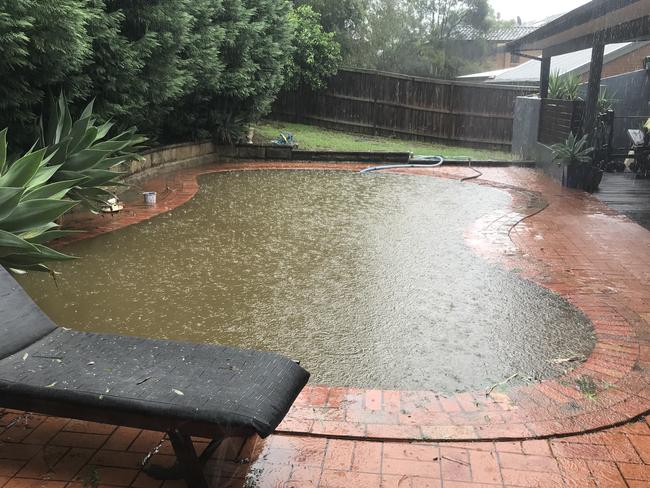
(578, 248)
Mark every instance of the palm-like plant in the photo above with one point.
(556, 86)
(605, 101)
(571, 87)
(29, 206)
(573, 152)
(564, 87)
(81, 151)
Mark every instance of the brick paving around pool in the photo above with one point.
(585, 428)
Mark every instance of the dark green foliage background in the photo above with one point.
(176, 69)
(193, 69)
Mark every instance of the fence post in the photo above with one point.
(452, 100)
(375, 97)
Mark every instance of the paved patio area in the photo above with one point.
(555, 433)
(40, 452)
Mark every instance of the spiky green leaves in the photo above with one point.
(3, 150)
(82, 153)
(22, 171)
(29, 207)
(573, 152)
(564, 87)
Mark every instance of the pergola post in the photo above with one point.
(545, 76)
(593, 89)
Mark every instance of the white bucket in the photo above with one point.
(150, 197)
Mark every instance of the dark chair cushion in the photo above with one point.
(21, 321)
(190, 382)
(178, 382)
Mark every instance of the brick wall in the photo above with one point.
(630, 62)
(624, 64)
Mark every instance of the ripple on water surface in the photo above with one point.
(364, 278)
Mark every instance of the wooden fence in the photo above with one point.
(558, 119)
(373, 102)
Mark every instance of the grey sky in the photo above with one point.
(533, 10)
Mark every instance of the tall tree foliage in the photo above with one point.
(116, 66)
(419, 36)
(345, 18)
(174, 68)
(251, 42)
(316, 54)
(256, 61)
(156, 33)
(192, 115)
(43, 46)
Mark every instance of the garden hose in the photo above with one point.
(436, 161)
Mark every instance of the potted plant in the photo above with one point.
(576, 155)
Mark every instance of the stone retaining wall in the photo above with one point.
(198, 153)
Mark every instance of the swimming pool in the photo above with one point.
(366, 279)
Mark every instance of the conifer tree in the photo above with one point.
(43, 47)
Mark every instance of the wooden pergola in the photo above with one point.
(593, 25)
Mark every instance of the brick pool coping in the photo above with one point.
(561, 239)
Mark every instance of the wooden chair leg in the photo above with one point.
(183, 443)
(210, 450)
(189, 463)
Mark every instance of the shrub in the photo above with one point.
(316, 54)
(148, 38)
(43, 44)
(176, 69)
(235, 85)
(115, 67)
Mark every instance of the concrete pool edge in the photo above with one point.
(552, 408)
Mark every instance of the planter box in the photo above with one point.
(558, 119)
(584, 177)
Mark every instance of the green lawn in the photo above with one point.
(315, 138)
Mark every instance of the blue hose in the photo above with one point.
(435, 162)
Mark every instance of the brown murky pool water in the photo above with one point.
(365, 279)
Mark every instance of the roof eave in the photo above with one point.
(576, 30)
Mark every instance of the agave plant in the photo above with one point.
(30, 203)
(556, 87)
(573, 152)
(605, 101)
(564, 87)
(571, 87)
(81, 151)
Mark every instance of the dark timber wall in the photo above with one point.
(630, 94)
(373, 102)
(558, 119)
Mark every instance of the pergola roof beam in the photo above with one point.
(614, 20)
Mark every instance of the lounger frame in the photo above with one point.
(190, 465)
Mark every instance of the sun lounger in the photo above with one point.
(183, 389)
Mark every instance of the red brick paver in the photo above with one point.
(532, 435)
(610, 458)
